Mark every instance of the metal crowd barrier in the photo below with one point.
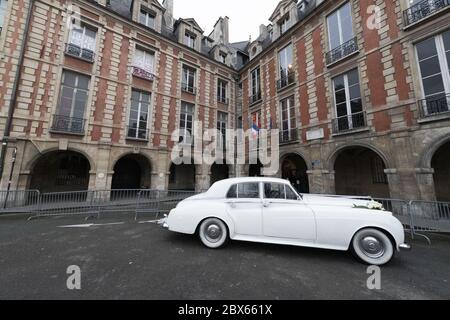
(416, 216)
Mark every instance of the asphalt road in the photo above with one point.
(142, 261)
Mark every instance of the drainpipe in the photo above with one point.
(15, 91)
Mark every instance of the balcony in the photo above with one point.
(344, 50)
(187, 88)
(423, 9)
(78, 52)
(142, 73)
(285, 80)
(288, 136)
(434, 106)
(254, 98)
(67, 125)
(350, 123)
(223, 100)
(137, 134)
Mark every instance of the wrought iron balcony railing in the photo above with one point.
(288, 136)
(350, 122)
(344, 50)
(187, 88)
(286, 80)
(423, 9)
(255, 98)
(222, 99)
(70, 125)
(434, 106)
(142, 73)
(78, 52)
(134, 133)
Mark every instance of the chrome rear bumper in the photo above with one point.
(404, 247)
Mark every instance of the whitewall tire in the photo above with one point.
(213, 233)
(373, 247)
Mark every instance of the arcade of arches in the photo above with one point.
(357, 171)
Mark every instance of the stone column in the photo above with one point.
(12, 144)
(161, 171)
(202, 177)
(425, 183)
(101, 176)
(321, 181)
(403, 184)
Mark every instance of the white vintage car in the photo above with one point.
(270, 211)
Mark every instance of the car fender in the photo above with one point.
(187, 217)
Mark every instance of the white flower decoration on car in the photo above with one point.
(372, 205)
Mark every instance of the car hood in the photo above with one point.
(312, 199)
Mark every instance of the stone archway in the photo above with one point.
(60, 171)
(132, 172)
(219, 172)
(294, 169)
(360, 171)
(441, 164)
(182, 177)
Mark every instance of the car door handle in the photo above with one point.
(266, 204)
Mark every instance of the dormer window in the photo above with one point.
(284, 24)
(147, 18)
(223, 57)
(189, 39)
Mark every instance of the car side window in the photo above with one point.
(244, 191)
(290, 194)
(232, 193)
(274, 191)
(248, 191)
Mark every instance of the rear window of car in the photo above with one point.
(244, 191)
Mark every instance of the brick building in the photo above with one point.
(360, 90)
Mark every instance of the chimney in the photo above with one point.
(168, 15)
(226, 30)
(263, 31)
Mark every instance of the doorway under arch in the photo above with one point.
(132, 172)
(182, 177)
(294, 169)
(60, 171)
(360, 171)
(441, 165)
(219, 172)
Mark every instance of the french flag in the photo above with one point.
(255, 130)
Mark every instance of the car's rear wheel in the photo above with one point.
(213, 233)
(373, 247)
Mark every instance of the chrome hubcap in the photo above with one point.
(213, 232)
(372, 247)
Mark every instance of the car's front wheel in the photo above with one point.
(373, 247)
(213, 233)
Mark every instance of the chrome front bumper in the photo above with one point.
(404, 247)
(163, 223)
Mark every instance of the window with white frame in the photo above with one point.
(188, 80)
(72, 103)
(82, 41)
(189, 39)
(144, 60)
(222, 124)
(139, 111)
(288, 121)
(348, 102)
(223, 57)
(284, 25)
(186, 122)
(3, 4)
(147, 18)
(222, 91)
(340, 26)
(256, 84)
(285, 58)
(433, 55)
